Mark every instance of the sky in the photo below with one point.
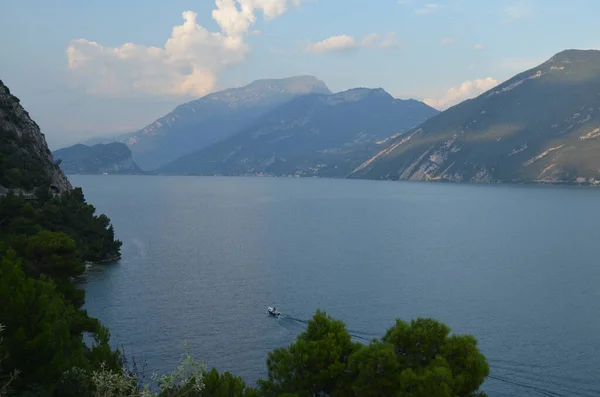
(92, 68)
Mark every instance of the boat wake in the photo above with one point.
(365, 336)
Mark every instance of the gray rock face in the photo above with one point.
(19, 130)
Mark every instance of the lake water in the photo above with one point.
(203, 257)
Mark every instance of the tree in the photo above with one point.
(432, 363)
(225, 385)
(43, 194)
(69, 214)
(315, 364)
(416, 359)
(5, 378)
(37, 340)
(375, 371)
(53, 255)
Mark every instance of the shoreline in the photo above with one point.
(536, 182)
(111, 259)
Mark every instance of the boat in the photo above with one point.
(273, 312)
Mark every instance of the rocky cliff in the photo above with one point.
(25, 160)
(111, 158)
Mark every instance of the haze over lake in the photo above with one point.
(203, 257)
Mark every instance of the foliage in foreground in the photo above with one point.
(189, 379)
(185, 380)
(7, 379)
(416, 359)
(43, 244)
(43, 335)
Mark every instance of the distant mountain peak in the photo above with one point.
(303, 83)
(575, 54)
(214, 117)
(566, 67)
(292, 85)
(357, 94)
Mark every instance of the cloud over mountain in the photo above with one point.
(188, 64)
(466, 90)
(345, 43)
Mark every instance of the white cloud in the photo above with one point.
(345, 43)
(466, 90)
(428, 8)
(333, 44)
(479, 47)
(370, 40)
(517, 12)
(447, 41)
(188, 64)
(389, 40)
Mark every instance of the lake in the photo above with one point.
(516, 266)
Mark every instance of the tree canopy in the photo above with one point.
(416, 359)
(43, 246)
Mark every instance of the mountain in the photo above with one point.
(25, 160)
(316, 134)
(543, 125)
(112, 158)
(202, 122)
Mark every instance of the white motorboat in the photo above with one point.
(273, 311)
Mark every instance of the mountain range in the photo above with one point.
(540, 126)
(315, 134)
(112, 158)
(212, 118)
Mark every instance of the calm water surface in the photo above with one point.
(515, 266)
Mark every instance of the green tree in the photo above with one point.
(432, 363)
(225, 385)
(38, 340)
(416, 359)
(375, 371)
(315, 364)
(94, 236)
(5, 378)
(53, 255)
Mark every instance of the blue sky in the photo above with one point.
(89, 68)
